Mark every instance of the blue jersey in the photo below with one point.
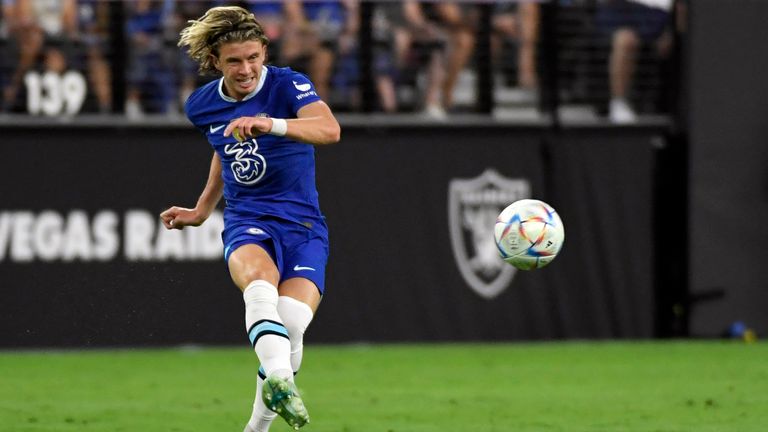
(267, 176)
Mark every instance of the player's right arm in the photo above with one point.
(179, 217)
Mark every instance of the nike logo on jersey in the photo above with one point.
(217, 128)
(302, 87)
(298, 267)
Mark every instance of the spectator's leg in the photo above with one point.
(386, 90)
(462, 43)
(99, 75)
(137, 76)
(435, 77)
(529, 36)
(403, 45)
(622, 62)
(505, 28)
(30, 45)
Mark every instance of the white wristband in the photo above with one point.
(279, 127)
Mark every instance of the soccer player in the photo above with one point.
(260, 121)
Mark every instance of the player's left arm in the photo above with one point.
(315, 124)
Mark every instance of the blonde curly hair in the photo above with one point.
(218, 26)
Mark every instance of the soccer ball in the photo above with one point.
(529, 234)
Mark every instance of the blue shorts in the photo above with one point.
(296, 250)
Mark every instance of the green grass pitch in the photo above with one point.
(563, 386)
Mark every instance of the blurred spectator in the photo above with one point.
(93, 20)
(186, 68)
(518, 23)
(406, 41)
(6, 10)
(420, 51)
(323, 38)
(629, 24)
(385, 30)
(151, 83)
(460, 23)
(271, 16)
(40, 28)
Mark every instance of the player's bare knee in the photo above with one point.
(246, 276)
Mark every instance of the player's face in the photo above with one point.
(240, 63)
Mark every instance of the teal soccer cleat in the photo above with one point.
(281, 396)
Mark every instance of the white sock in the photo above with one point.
(266, 331)
(261, 417)
(296, 316)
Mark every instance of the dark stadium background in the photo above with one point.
(665, 218)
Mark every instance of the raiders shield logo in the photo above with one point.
(473, 205)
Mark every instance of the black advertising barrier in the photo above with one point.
(395, 276)
(84, 262)
(69, 273)
(728, 168)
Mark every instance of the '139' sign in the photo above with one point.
(50, 93)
